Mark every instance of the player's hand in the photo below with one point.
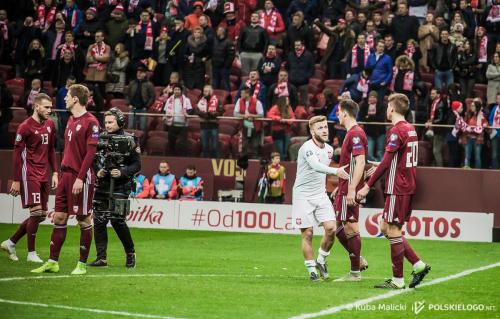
(55, 180)
(77, 187)
(15, 188)
(351, 197)
(363, 192)
(101, 173)
(160, 196)
(370, 171)
(334, 192)
(116, 173)
(341, 173)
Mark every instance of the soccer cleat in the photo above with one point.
(130, 262)
(419, 275)
(10, 249)
(99, 263)
(323, 270)
(363, 264)
(80, 269)
(389, 284)
(314, 277)
(49, 266)
(33, 257)
(356, 276)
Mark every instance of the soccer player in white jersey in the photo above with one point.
(310, 204)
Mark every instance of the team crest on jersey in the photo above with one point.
(78, 127)
(48, 129)
(394, 137)
(75, 209)
(138, 149)
(19, 137)
(95, 129)
(36, 131)
(355, 140)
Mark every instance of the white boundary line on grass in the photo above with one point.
(391, 293)
(109, 312)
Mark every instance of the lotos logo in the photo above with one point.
(372, 223)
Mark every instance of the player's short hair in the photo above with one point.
(400, 102)
(40, 97)
(351, 107)
(316, 119)
(81, 92)
(274, 154)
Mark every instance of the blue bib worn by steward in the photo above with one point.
(193, 183)
(163, 184)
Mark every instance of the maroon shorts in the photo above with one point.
(397, 209)
(66, 202)
(343, 212)
(35, 193)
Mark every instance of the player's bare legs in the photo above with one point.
(325, 247)
(28, 227)
(400, 248)
(307, 251)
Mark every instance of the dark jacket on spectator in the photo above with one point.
(440, 115)
(332, 9)
(147, 92)
(180, 38)
(271, 77)
(303, 33)
(223, 53)
(138, 41)
(379, 116)
(404, 28)
(24, 36)
(91, 26)
(307, 7)
(6, 102)
(300, 69)
(253, 39)
(62, 71)
(115, 32)
(439, 51)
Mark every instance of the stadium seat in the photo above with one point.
(137, 133)
(120, 104)
(235, 145)
(233, 96)
(301, 112)
(222, 95)
(193, 147)
(480, 91)
(424, 153)
(19, 115)
(156, 145)
(155, 123)
(16, 90)
(157, 133)
(15, 82)
(320, 100)
(427, 77)
(267, 147)
(312, 88)
(194, 124)
(193, 96)
(227, 129)
(316, 82)
(47, 86)
(224, 145)
(228, 110)
(319, 74)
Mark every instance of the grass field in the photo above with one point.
(186, 274)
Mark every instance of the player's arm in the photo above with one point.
(319, 167)
(384, 165)
(17, 164)
(173, 193)
(357, 175)
(145, 189)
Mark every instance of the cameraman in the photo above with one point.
(111, 199)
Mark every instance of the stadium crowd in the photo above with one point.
(186, 69)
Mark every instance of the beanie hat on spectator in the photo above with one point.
(373, 93)
(228, 7)
(341, 21)
(455, 105)
(164, 29)
(198, 4)
(93, 10)
(119, 8)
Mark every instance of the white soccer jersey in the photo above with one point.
(312, 166)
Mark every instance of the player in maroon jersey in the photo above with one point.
(400, 162)
(353, 154)
(76, 186)
(33, 153)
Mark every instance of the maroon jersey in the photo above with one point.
(80, 140)
(34, 150)
(402, 142)
(355, 143)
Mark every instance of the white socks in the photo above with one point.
(322, 256)
(418, 265)
(310, 265)
(399, 281)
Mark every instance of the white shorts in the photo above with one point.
(311, 212)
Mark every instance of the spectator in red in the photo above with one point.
(249, 108)
(190, 185)
(192, 20)
(281, 126)
(230, 23)
(208, 109)
(46, 13)
(271, 20)
(164, 184)
(255, 87)
(477, 122)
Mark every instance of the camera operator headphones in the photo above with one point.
(120, 118)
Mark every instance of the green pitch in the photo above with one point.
(187, 274)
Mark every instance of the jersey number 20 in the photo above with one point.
(412, 155)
